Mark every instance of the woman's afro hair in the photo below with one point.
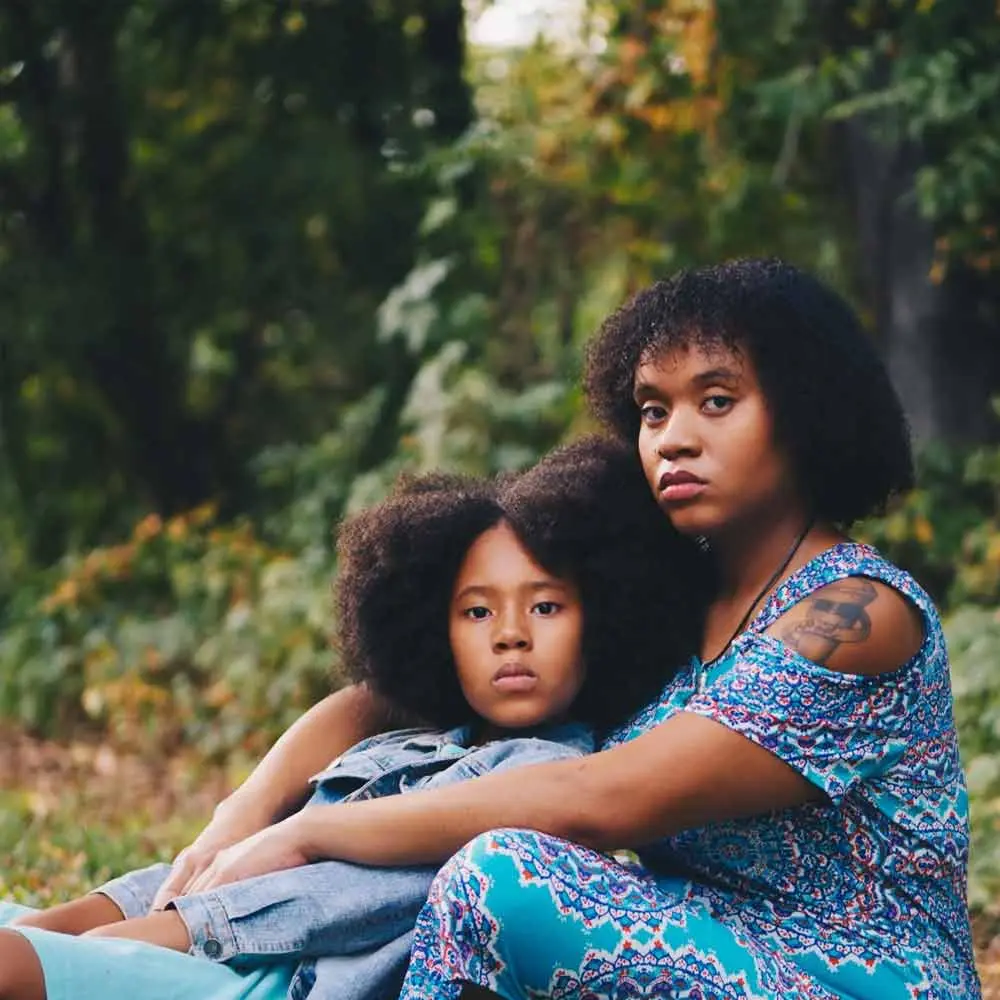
(585, 513)
(834, 407)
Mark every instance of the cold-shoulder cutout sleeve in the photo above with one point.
(853, 625)
(836, 729)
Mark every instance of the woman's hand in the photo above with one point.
(280, 782)
(230, 825)
(271, 850)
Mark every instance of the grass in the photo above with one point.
(73, 816)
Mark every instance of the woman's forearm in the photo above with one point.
(687, 772)
(428, 827)
(280, 781)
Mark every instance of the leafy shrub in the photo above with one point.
(945, 531)
(187, 631)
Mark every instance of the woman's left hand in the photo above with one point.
(271, 850)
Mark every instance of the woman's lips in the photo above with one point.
(679, 486)
(514, 678)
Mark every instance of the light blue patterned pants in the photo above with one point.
(527, 915)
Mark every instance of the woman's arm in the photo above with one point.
(691, 770)
(280, 782)
(687, 772)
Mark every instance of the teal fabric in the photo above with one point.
(100, 969)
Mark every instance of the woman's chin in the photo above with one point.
(690, 520)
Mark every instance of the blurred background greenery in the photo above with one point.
(256, 258)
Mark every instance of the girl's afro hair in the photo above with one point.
(584, 513)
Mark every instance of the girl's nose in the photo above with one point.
(511, 633)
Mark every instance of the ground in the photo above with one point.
(72, 815)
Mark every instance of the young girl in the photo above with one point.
(495, 612)
(795, 792)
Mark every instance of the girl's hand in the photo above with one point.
(228, 826)
(271, 850)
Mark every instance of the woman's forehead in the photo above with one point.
(692, 362)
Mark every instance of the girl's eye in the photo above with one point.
(652, 414)
(545, 608)
(477, 613)
(718, 404)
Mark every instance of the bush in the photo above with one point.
(187, 631)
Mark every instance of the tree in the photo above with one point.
(200, 207)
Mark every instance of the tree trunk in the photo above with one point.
(940, 338)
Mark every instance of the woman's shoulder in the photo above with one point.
(852, 611)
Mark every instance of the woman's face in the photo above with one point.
(706, 441)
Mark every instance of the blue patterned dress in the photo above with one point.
(859, 896)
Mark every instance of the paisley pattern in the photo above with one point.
(859, 896)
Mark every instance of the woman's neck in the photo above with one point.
(747, 555)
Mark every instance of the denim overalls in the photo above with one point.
(350, 924)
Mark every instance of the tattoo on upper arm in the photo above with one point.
(833, 616)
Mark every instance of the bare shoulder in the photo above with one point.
(855, 625)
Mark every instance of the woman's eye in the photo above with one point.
(545, 608)
(718, 404)
(652, 414)
(477, 613)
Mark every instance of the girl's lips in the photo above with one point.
(514, 678)
(515, 683)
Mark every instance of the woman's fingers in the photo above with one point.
(202, 881)
(186, 869)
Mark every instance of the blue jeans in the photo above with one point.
(350, 924)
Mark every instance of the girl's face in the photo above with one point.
(516, 634)
(706, 441)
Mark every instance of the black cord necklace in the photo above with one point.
(744, 621)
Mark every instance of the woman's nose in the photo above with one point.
(678, 436)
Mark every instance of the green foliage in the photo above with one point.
(947, 530)
(974, 644)
(186, 632)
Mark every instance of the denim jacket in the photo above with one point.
(349, 924)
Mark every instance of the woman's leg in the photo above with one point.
(527, 915)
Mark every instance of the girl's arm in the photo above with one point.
(280, 782)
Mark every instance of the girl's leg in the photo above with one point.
(166, 930)
(75, 917)
(21, 975)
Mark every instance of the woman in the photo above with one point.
(794, 794)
